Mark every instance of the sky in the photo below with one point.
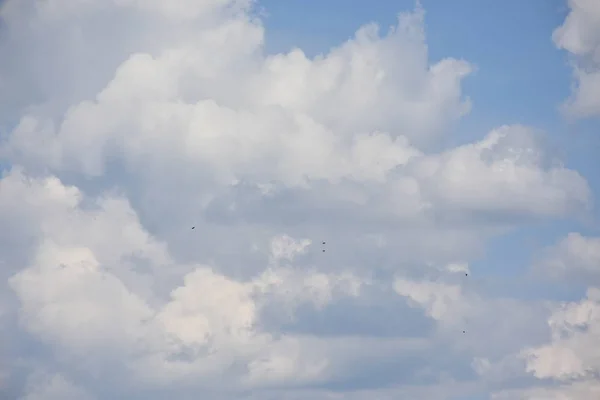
(237, 199)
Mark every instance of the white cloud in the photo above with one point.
(83, 294)
(440, 301)
(575, 327)
(571, 358)
(580, 36)
(574, 258)
(308, 182)
(180, 108)
(506, 172)
(67, 299)
(463, 312)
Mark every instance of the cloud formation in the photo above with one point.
(185, 213)
(580, 36)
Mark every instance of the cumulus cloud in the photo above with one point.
(187, 213)
(571, 358)
(580, 36)
(88, 295)
(568, 357)
(573, 258)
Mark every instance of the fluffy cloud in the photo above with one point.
(580, 36)
(571, 358)
(185, 212)
(87, 293)
(574, 258)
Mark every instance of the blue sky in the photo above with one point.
(269, 201)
